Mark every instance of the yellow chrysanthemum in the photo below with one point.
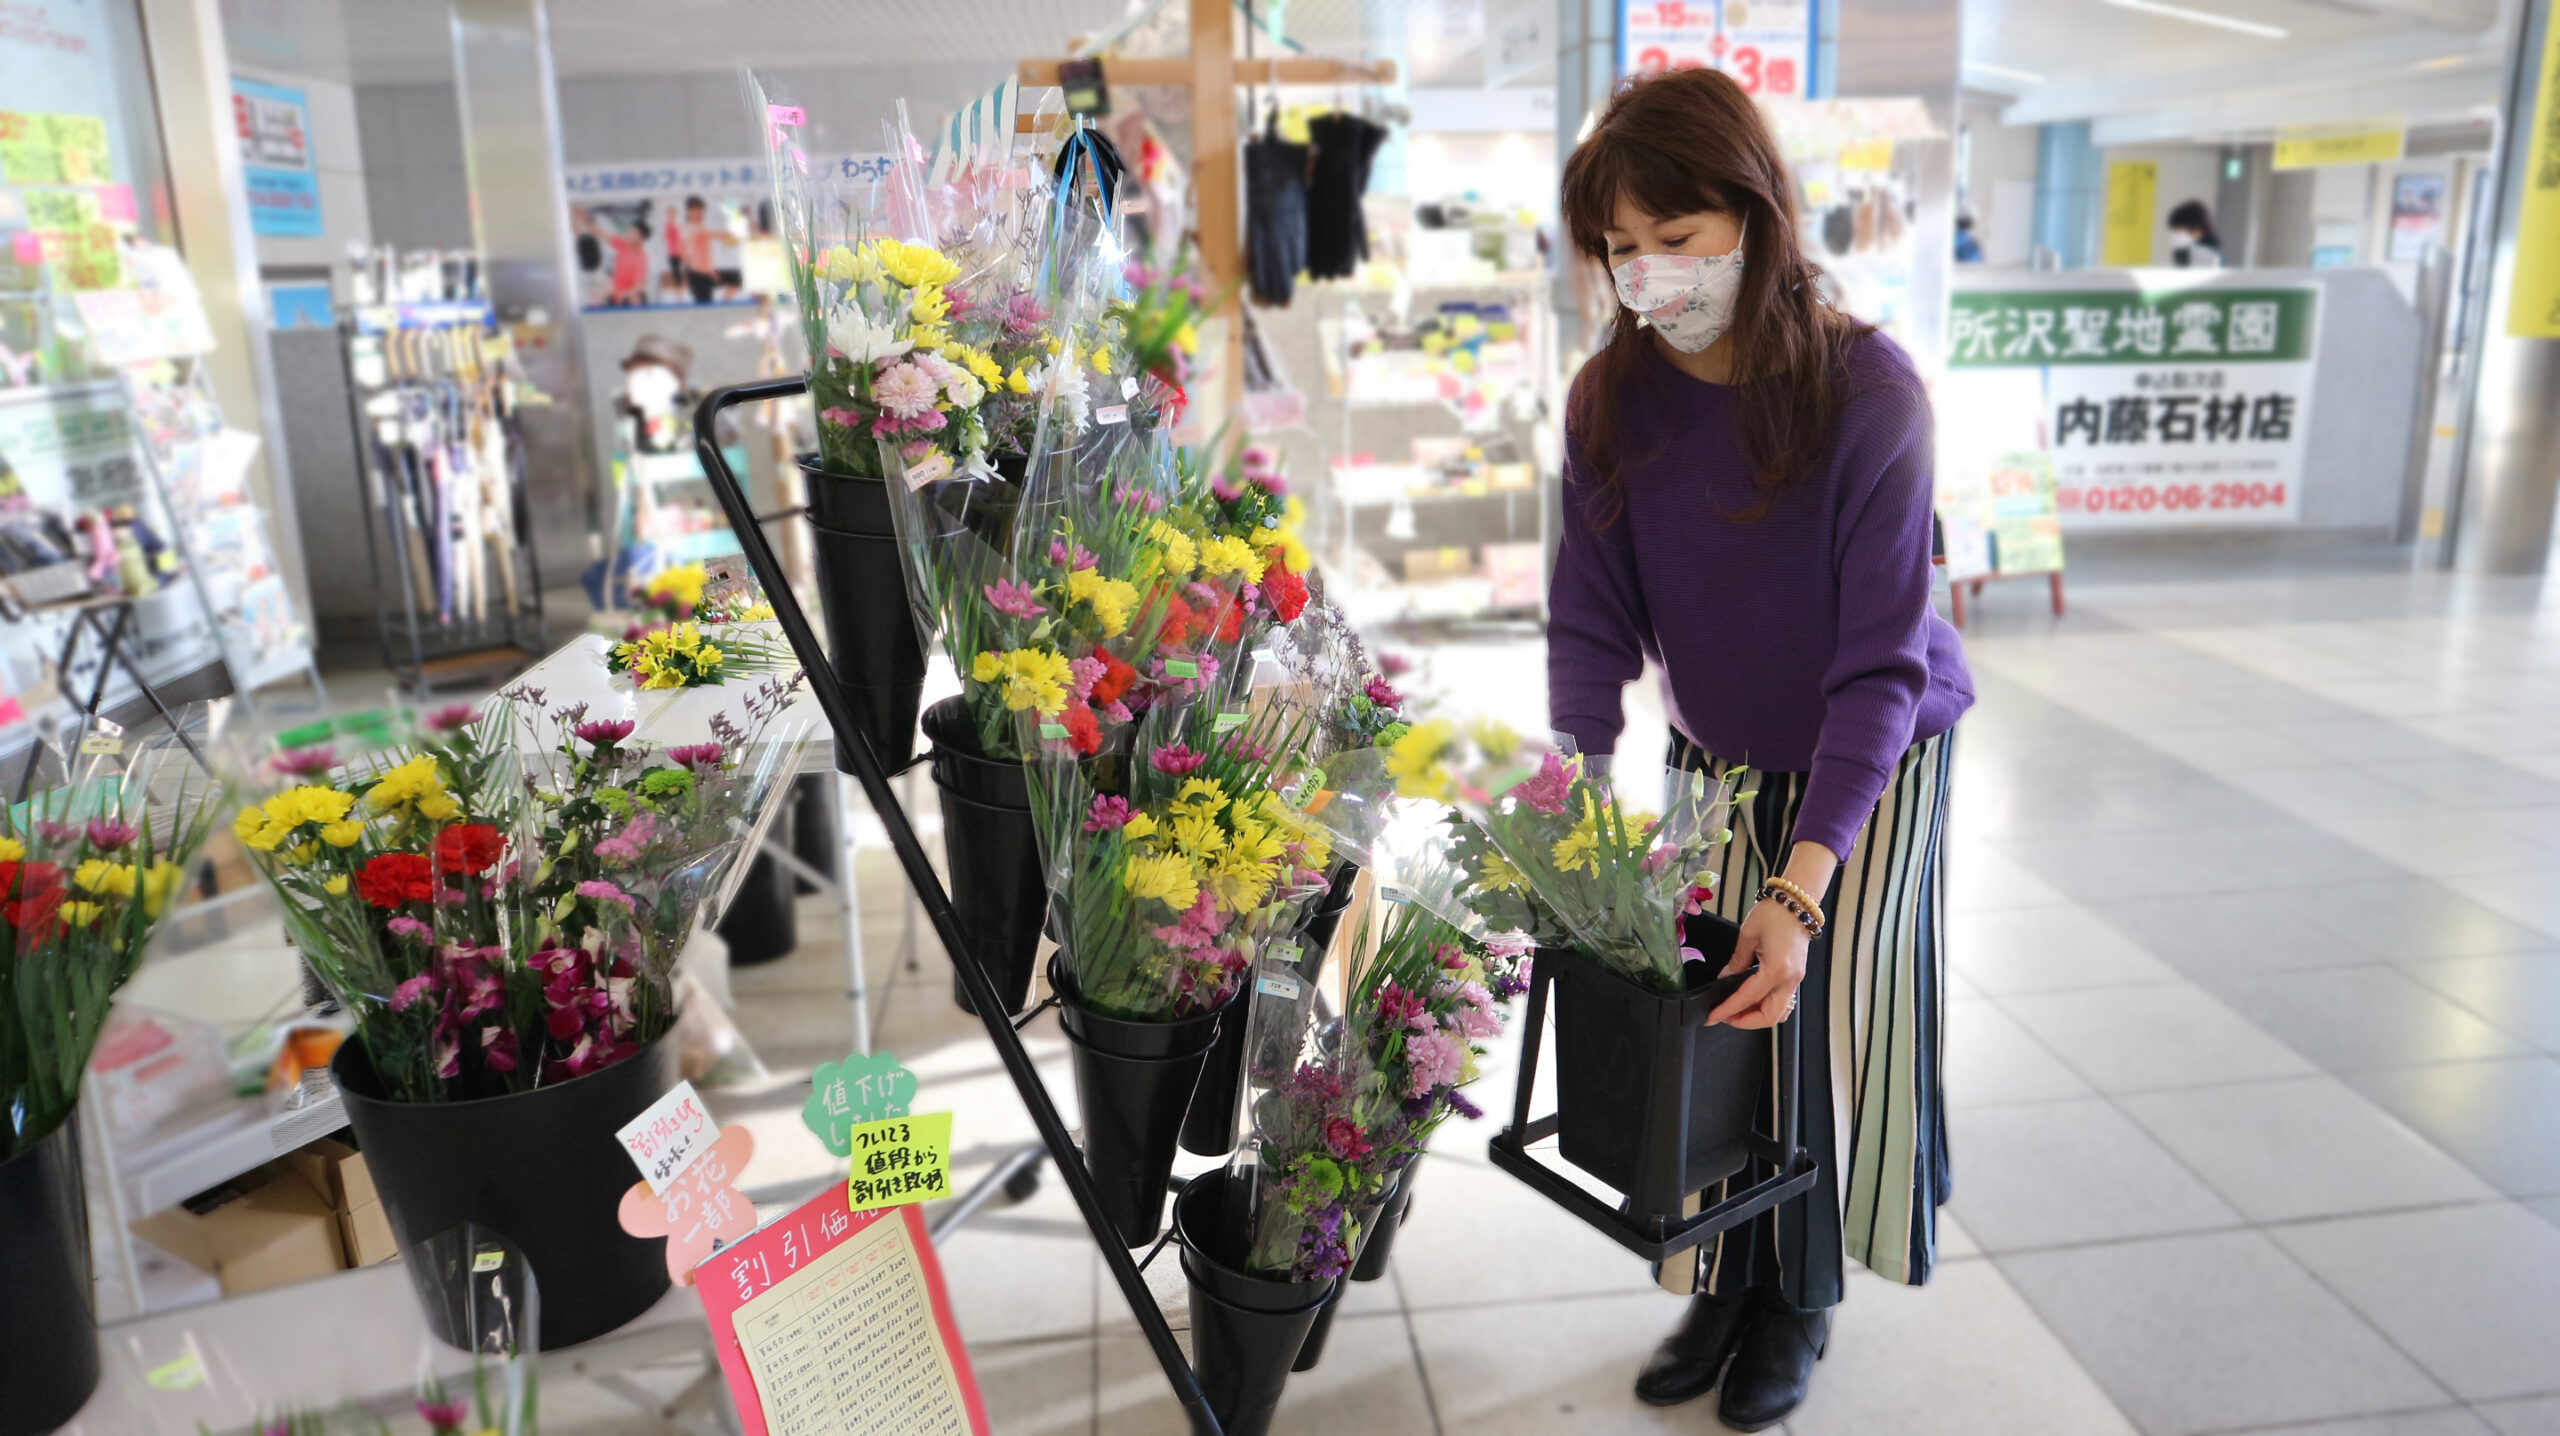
(250, 827)
(11, 850)
(682, 584)
(1197, 833)
(1102, 358)
(914, 265)
(343, 834)
(1497, 739)
(81, 914)
(844, 265)
(336, 886)
(1200, 796)
(1140, 825)
(1036, 679)
(104, 878)
(1017, 381)
(929, 305)
(411, 782)
(987, 667)
(1229, 554)
(441, 808)
(1187, 339)
(1414, 761)
(1576, 850)
(1113, 600)
(1166, 879)
(1180, 554)
(1497, 872)
(157, 885)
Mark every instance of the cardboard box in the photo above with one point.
(276, 1229)
(338, 1172)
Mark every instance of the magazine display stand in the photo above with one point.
(854, 754)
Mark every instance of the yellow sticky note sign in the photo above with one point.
(2133, 190)
(1869, 155)
(900, 1160)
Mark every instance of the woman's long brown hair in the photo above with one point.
(1683, 142)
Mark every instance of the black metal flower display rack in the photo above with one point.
(855, 753)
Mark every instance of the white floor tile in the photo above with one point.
(1963, 1356)
(2313, 1147)
(2472, 1292)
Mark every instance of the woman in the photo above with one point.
(1747, 502)
(2197, 245)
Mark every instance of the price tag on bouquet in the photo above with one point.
(665, 1139)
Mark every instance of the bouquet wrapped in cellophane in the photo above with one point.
(684, 635)
(1340, 1110)
(87, 871)
(499, 902)
(896, 393)
(1551, 850)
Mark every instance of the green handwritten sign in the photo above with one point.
(860, 1089)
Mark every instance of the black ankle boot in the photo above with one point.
(1685, 1366)
(1771, 1367)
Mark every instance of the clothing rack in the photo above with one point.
(1212, 72)
(853, 750)
(431, 396)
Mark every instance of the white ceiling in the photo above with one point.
(2138, 74)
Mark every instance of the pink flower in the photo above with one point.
(1380, 694)
(304, 762)
(1398, 1007)
(498, 1048)
(1436, 1059)
(603, 891)
(1108, 814)
(109, 834)
(842, 417)
(1546, 790)
(604, 732)
(443, 1415)
(1696, 901)
(1344, 1139)
(1256, 460)
(890, 426)
(406, 994)
(1226, 492)
(697, 756)
(1059, 555)
(936, 368)
(452, 717)
(412, 929)
(904, 391)
(1015, 598)
(1023, 315)
(1178, 761)
(1196, 928)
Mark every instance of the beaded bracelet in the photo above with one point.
(1793, 898)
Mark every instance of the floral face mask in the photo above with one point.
(1687, 297)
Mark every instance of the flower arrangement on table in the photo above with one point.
(1551, 850)
(689, 638)
(87, 871)
(495, 928)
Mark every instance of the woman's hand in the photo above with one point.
(1777, 944)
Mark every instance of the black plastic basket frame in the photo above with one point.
(1652, 1237)
(853, 753)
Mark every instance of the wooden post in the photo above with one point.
(1216, 166)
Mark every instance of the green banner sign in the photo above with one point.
(2030, 328)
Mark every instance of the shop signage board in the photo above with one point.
(654, 233)
(832, 1322)
(2133, 197)
(2160, 406)
(1768, 46)
(2366, 144)
(275, 159)
(2533, 310)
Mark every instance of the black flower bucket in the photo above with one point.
(761, 923)
(1246, 1331)
(48, 1326)
(1133, 1084)
(1326, 917)
(871, 630)
(992, 851)
(542, 1169)
(1380, 1241)
(1210, 1129)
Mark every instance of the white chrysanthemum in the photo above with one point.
(1070, 389)
(853, 337)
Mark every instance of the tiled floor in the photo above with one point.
(2254, 1066)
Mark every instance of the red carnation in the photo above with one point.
(468, 848)
(1345, 1139)
(1178, 619)
(391, 879)
(1083, 733)
(1286, 591)
(1115, 680)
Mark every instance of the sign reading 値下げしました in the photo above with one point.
(2185, 406)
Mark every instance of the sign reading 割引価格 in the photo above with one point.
(2190, 405)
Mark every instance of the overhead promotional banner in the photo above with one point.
(1768, 46)
(2189, 406)
(275, 159)
(2533, 308)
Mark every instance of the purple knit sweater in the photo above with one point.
(1800, 643)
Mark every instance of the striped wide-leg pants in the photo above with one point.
(1874, 1008)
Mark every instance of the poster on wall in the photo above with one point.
(653, 233)
(2417, 217)
(275, 159)
(2160, 407)
(1768, 46)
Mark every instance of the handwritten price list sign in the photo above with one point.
(837, 1323)
(900, 1161)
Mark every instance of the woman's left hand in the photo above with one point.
(1772, 938)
